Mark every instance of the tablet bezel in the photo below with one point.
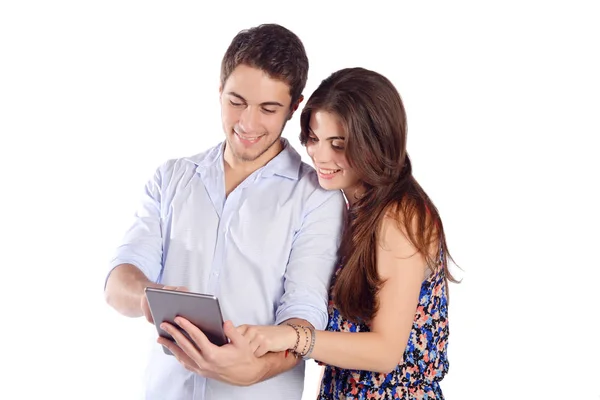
(202, 310)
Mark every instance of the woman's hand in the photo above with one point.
(269, 338)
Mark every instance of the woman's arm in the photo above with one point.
(402, 270)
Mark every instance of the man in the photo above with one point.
(246, 221)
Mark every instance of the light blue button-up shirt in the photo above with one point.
(267, 251)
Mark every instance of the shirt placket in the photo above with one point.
(230, 207)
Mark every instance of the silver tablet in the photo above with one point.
(201, 310)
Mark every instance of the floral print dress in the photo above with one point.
(425, 362)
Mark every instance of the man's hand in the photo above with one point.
(233, 363)
(271, 338)
(146, 307)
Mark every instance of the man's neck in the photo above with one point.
(236, 170)
(241, 167)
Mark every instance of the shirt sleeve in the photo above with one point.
(142, 242)
(312, 262)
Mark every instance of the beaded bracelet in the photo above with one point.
(306, 355)
(307, 348)
(303, 352)
(297, 338)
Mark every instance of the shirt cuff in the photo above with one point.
(315, 317)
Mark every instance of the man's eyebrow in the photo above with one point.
(266, 103)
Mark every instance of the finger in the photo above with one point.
(234, 336)
(205, 345)
(184, 343)
(242, 329)
(195, 334)
(179, 354)
(260, 351)
(176, 288)
(252, 336)
(254, 345)
(248, 332)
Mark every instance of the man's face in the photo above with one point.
(254, 110)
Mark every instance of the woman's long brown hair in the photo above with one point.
(372, 115)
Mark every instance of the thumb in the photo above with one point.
(232, 333)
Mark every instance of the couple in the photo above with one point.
(297, 257)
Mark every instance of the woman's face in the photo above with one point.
(326, 148)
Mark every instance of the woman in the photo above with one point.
(391, 283)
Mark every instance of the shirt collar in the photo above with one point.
(208, 159)
(286, 163)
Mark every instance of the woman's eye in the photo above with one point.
(337, 146)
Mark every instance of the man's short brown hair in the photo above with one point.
(273, 49)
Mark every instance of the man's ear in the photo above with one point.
(295, 106)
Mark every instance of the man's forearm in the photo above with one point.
(125, 288)
(277, 363)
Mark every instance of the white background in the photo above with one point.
(503, 107)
